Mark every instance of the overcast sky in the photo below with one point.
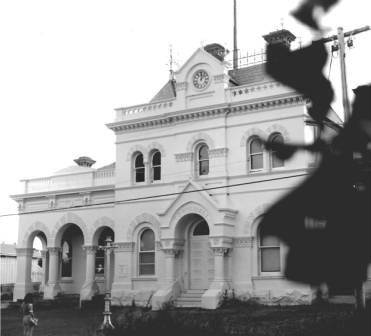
(65, 65)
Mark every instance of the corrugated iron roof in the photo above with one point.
(249, 75)
(167, 92)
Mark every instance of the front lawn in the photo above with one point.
(240, 319)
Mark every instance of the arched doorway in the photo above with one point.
(72, 259)
(201, 258)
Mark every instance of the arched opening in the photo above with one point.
(202, 154)
(255, 154)
(275, 161)
(139, 168)
(201, 258)
(72, 261)
(39, 261)
(147, 252)
(156, 166)
(103, 236)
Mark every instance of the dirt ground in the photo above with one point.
(327, 320)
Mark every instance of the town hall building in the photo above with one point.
(183, 201)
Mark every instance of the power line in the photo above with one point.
(128, 200)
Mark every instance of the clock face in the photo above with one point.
(201, 79)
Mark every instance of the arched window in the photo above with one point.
(255, 154)
(139, 169)
(275, 161)
(100, 253)
(147, 253)
(269, 252)
(202, 229)
(156, 166)
(203, 160)
(66, 258)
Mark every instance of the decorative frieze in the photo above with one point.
(183, 157)
(241, 242)
(86, 198)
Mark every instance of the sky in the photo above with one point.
(65, 66)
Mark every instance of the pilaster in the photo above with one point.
(23, 284)
(124, 255)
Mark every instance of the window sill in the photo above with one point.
(268, 277)
(144, 278)
(66, 280)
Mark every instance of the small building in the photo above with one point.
(8, 267)
(183, 200)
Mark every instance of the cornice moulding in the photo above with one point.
(196, 114)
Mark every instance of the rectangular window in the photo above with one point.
(256, 161)
(147, 263)
(270, 259)
(139, 175)
(276, 162)
(204, 167)
(157, 173)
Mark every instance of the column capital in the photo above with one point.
(172, 252)
(90, 248)
(54, 250)
(43, 253)
(24, 251)
(221, 251)
(125, 246)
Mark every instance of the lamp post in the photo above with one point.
(107, 325)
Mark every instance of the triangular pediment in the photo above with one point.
(194, 190)
(199, 56)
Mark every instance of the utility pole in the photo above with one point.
(359, 294)
(340, 46)
(235, 49)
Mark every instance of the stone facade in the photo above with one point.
(157, 215)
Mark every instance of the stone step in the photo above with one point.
(192, 295)
(188, 304)
(188, 299)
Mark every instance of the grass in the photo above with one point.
(238, 319)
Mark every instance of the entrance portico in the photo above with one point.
(196, 245)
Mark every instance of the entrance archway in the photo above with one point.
(201, 258)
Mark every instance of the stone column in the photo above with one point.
(90, 287)
(171, 288)
(220, 267)
(53, 288)
(23, 284)
(44, 276)
(170, 267)
(212, 297)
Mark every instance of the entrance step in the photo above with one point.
(190, 299)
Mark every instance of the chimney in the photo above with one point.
(282, 36)
(217, 50)
(84, 161)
